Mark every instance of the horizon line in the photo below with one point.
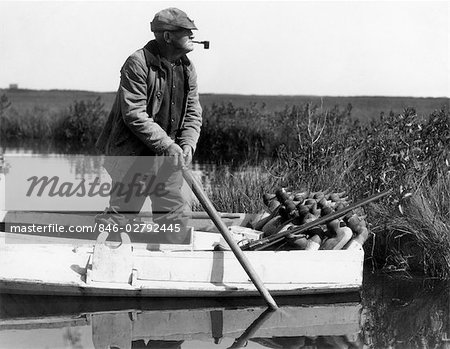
(233, 94)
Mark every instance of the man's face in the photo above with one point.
(182, 40)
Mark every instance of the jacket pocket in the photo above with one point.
(157, 101)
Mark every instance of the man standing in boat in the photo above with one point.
(153, 129)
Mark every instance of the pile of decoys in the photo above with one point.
(289, 210)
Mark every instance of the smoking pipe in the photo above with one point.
(204, 43)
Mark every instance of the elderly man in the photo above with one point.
(153, 129)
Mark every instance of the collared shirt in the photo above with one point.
(170, 113)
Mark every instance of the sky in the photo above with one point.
(333, 48)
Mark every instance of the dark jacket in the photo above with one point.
(131, 128)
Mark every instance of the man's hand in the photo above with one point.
(187, 153)
(177, 153)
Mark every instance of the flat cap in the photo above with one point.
(171, 19)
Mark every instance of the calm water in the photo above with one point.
(390, 312)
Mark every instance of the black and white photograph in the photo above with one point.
(224, 174)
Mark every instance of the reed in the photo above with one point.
(241, 189)
(36, 123)
(306, 147)
(79, 124)
(416, 236)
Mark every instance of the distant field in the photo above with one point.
(53, 100)
(363, 107)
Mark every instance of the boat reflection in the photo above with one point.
(314, 322)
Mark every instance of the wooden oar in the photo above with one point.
(242, 341)
(223, 229)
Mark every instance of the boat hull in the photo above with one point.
(57, 269)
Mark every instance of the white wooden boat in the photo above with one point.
(61, 269)
(58, 266)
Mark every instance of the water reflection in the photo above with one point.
(406, 313)
(40, 146)
(183, 324)
(391, 314)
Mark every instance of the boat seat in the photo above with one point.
(112, 264)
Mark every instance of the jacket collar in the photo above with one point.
(153, 55)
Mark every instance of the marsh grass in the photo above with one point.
(80, 123)
(32, 124)
(306, 147)
(238, 192)
(416, 236)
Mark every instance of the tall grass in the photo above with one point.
(78, 125)
(240, 189)
(32, 124)
(416, 235)
(308, 147)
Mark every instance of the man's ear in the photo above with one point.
(166, 36)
